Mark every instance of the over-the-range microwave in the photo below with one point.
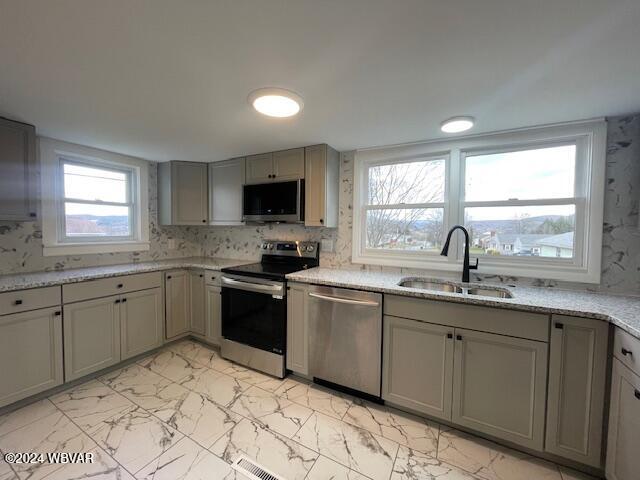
(274, 202)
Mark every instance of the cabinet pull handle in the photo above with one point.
(168, 277)
(637, 394)
(458, 337)
(120, 285)
(117, 301)
(449, 335)
(124, 300)
(18, 302)
(57, 314)
(33, 214)
(559, 325)
(626, 352)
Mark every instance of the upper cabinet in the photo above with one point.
(183, 193)
(18, 164)
(322, 173)
(225, 192)
(276, 167)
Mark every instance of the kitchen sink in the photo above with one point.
(437, 286)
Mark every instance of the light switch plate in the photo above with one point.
(326, 245)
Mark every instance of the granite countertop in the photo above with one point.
(623, 311)
(24, 281)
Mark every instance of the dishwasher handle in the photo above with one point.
(349, 301)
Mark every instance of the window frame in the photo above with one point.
(131, 204)
(55, 242)
(590, 140)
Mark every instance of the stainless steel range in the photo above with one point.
(254, 305)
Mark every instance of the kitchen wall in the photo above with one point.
(21, 245)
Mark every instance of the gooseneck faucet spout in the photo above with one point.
(465, 265)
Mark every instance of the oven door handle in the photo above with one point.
(348, 301)
(253, 287)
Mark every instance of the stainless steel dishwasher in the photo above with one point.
(345, 338)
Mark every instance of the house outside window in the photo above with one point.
(531, 199)
(93, 201)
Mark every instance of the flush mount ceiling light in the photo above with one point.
(457, 124)
(276, 102)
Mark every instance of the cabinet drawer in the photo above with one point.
(626, 348)
(23, 300)
(110, 286)
(212, 278)
(533, 326)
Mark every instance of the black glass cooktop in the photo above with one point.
(270, 271)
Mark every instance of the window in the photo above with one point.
(97, 202)
(532, 201)
(92, 201)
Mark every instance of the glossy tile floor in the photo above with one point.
(186, 413)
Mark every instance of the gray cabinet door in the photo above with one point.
(623, 461)
(288, 165)
(91, 336)
(297, 329)
(259, 168)
(214, 324)
(30, 353)
(196, 292)
(141, 319)
(225, 192)
(321, 172)
(190, 194)
(18, 166)
(177, 301)
(417, 366)
(499, 386)
(577, 383)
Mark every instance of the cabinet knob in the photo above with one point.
(120, 285)
(626, 352)
(458, 337)
(637, 394)
(449, 335)
(124, 300)
(117, 301)
(204, 221)
(168, 277)
(18, 302)
(201, 276)
(33, 215)
(57, 314)
(322, 220)
(559, 325)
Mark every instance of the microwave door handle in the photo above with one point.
(348, 301)
(256, 287)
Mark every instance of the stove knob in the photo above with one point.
(264, 246)
(310, 248)
(270, 246)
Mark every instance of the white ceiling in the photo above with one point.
(167, 79)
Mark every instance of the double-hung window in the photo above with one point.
(532, 201)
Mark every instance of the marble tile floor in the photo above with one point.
(186, 413)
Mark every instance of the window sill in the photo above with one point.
(89, 248)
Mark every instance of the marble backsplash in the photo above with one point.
(21, 245)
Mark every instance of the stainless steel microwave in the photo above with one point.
(274, 202)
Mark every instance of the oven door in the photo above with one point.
(254, 312)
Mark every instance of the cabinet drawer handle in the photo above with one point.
(120, 285)
(458, 337)
(626, 352)
(18, 302)
(559, 325)
(57, 314)
(449, 335)
(637, 394)
(117, 301)
(124, 300)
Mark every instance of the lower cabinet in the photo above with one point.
(30, 353)
(418, 366)
(197, 320)
(91, 336)
(577, 384)
(499, 386)
(213, 332)
(297, 329)
(177, 301)
(623, 461)
(141, 322)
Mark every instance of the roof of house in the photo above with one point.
(527, 240)
(563, 240)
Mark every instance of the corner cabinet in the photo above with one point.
(183, 197)
(418, 366)
(577, 385)
(178, 311)
(225, 192)
(18, 186)
(322, 183)
(297, 329)
(275, 167)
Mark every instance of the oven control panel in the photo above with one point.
(290, 248)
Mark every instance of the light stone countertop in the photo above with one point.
(24, 281)
(623, 311)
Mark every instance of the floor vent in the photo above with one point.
(254, 471)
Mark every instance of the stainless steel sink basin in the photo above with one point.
(434, 285)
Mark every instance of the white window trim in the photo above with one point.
(590, 137)
(54, 243)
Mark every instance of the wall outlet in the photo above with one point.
(326, 245)
(171, 243)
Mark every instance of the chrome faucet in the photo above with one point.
(465, 265)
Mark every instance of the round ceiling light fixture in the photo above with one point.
(276, 102)
(457, 124)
